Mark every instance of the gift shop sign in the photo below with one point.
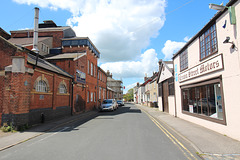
(209, 66)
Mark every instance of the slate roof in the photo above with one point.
(26, 41)
(46, 65)
(67, 56)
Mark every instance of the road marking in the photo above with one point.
(48, 136)
(171, 137)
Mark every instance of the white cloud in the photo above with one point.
(186, 39)
(130, 86)
(148, 64)
(170, 48)
(120, 29)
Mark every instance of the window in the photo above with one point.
(91, 96)
(94, 71)
(94, 96)
(88, 96)
(160, 89)
(184, 60)
(204, 100)
(88, 67)
(41, 86)
(100, 89)
(171, 86)
(62, 88)
(208, 42)
(103, 93)
(91, 69)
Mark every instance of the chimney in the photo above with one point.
(35, 35)
(145, 78)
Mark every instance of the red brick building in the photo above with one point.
(27, 95)
(102, 83)
(66, 79)
(79, 57)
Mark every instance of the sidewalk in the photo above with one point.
(8, 140)
(210, 144)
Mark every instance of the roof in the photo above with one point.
(108, 88)
(4, 34)
(167, 64)
(73, 56)
(77, 41)
(102, 71)
(26, 41)
(231, 2)
(45, 29)
(46, 65)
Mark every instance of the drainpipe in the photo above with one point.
(72, 105)
(35, 35)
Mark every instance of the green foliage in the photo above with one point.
(129, 95)
(7, 128)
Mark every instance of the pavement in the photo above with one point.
(210, 145)
(9, 139)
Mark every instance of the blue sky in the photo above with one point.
(132, 35)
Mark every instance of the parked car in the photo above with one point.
(120, 103)
(108, 105)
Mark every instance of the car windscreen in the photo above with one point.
(119, 101)
(107, 101)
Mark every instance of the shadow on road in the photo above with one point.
(71, 123)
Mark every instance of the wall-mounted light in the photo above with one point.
(227, 41)
(231, 11)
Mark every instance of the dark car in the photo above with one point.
(120, 103)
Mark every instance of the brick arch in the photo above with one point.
(41, 78)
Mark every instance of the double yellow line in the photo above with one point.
(185, 151)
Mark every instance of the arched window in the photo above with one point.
(62, 88)
(41, 86)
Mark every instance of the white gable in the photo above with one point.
(165, 74)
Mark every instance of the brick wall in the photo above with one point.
(57, 36)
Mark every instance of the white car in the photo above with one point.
(108, 105)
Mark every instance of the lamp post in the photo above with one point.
(231, 11)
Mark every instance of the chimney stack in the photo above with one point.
(35, 35)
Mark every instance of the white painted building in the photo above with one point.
(207, 75)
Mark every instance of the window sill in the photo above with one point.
(223, 122)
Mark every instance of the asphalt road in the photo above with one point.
(125, 134)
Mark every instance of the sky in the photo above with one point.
(131, 35)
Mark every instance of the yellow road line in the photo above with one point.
(171, 137)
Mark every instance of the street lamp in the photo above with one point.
(231, 11)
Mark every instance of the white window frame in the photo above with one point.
(41, 86)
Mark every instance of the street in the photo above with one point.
(125, 134)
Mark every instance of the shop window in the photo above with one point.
(208, 42)
(184, 60)
(62, 88)
(204, 100)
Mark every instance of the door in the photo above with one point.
(165, 96)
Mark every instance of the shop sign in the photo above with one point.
(209, 66)
(80, 77)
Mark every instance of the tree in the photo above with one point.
(129, 95)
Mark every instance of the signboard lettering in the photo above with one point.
(209, 66)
